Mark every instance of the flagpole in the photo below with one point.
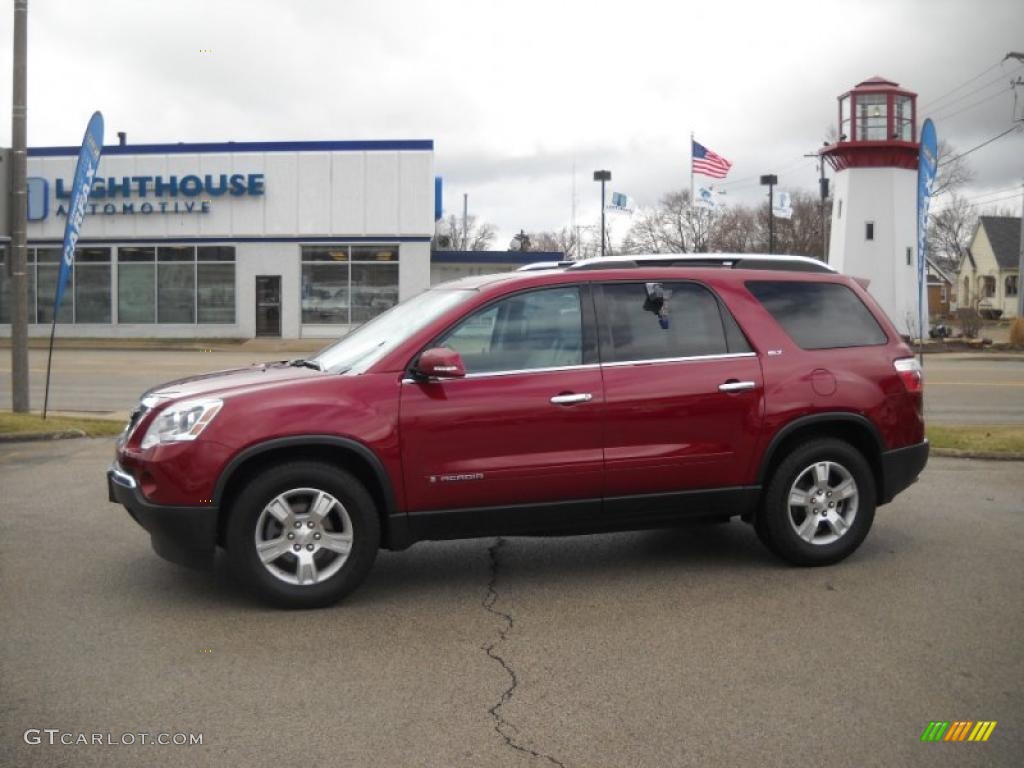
(693, 208)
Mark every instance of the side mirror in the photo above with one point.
(440, 363)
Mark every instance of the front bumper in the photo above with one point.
(183, 535)
(900, 469)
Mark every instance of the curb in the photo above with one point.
(27, 437)
(953, 453)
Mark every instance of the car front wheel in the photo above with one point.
(303, 534)
(819, 505)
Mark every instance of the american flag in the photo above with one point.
(708, 163)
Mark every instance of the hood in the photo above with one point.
(254, 376)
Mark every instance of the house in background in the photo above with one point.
(941, 291)
(988, 275)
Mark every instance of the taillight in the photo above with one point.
(910, 374)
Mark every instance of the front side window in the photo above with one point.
(1011, 285)
(527, 331)
(672, 320)
(819, 315)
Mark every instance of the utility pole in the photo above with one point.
(1020, 261)
(602, 176)
(19, 215)
(465, 221)
(770, 180)
(823, 188)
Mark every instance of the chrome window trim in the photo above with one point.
(488, 374)
(592, 366)
(688, 359)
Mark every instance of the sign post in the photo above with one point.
(85, 172)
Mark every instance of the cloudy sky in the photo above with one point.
(515, 94)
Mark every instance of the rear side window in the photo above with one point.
(819, 315)
(686, 323)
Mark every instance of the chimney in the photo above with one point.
(122, 138)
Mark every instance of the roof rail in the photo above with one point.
(539, 265)
(723, 260)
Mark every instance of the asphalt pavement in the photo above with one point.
(651, 649)
(960, 388)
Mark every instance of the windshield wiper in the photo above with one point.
(306, 364)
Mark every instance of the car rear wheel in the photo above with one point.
(303, 534)
(819, 505)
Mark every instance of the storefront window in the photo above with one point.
(47, 270)
(136, 285)
(175, 293)
(92, 285)
(344, 285)
(215, 290)
(5, 289)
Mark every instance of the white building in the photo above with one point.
(291, 239)
(874, 209)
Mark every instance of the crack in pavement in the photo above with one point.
(501, 725)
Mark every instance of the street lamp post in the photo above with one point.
(602, 176)
(770, 180)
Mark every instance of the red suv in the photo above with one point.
(607, 395)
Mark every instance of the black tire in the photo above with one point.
(247, 510)
(776, 521)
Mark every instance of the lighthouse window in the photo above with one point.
(844, 118)
(869, 230)
(903, 119)
(871, 117)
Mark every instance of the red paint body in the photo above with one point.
(648, 427)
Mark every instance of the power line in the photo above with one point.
(979, 89)
(983, 203)
(949, 160)
(968, 82)
(939, 116)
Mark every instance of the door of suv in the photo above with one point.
(683, 390)
(524, 425)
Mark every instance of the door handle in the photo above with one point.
(584, 397)
(736, 386)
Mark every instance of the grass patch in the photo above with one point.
(26, 423)
(992, 439)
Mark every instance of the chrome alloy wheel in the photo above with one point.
(823, 502)
(303, 536)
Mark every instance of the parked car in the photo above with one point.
(607, 395)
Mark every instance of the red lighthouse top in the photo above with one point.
(877, 126)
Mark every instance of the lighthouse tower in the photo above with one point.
(874, 209)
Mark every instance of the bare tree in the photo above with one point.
(561, 241)
(674, 226)
(801, 234)
(457, 234)
(952, 173)
(739, 230)
(949, 232)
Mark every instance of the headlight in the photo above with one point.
(183, 421)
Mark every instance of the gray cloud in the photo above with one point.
(513, 94)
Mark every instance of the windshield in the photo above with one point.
(370, 342)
